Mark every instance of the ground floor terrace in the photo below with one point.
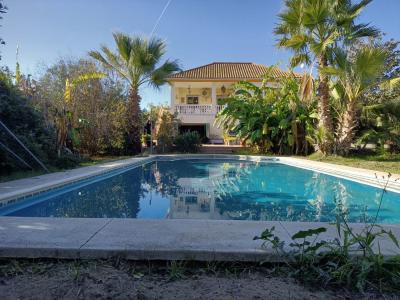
(197, 104)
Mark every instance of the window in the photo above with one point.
(190, 199)
(192, 99)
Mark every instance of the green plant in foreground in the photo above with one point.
(353, 259)
(176, 270)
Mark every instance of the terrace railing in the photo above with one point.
(198, 109)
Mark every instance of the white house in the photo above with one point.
(196, 93)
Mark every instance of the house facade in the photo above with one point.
(196, 93)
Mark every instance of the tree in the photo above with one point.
(27, 124)
(381, 125)
(164, 126)
(312, 29)
(379, 120)
(93, 109)
(354, 74)
(137, 61)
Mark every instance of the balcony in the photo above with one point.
(194, 109)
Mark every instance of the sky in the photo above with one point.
(197, 32)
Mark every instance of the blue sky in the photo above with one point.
(197, 31)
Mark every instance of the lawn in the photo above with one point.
(95, 160)
(383, 163)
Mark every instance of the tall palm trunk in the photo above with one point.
(345, 132)
(325, 117)
(133, 145)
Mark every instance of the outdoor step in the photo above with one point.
(220, 149)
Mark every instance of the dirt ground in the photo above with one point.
(127, 280)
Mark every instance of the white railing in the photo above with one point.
(195, 109)
(219, 108)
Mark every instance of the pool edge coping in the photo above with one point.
(140, 239)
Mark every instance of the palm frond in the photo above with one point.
(124, 45)
(159, 76)
(390, 84)
(299, 58)
(362, 31)
(356, 9)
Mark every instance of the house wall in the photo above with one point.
(208, 93)
(204, 95)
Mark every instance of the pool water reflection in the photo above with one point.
(213, 189)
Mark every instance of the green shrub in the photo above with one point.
(188, 142)
(67, 161)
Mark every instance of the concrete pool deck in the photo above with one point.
(136, 239)
(156, 239)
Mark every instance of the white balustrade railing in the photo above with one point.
(194, 109)
(219, 108)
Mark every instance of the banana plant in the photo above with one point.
(272, 119)
(65, 116)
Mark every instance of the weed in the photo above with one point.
(176, 270)
(75, 270)
(354, 259)
(211, 267)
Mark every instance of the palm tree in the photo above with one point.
(311, 29)
(137, 61)
(354, 76)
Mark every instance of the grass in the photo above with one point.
(377, 162)
(92, 161)
(383, 163)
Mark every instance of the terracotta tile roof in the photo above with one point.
(228, 70)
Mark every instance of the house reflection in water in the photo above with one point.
(193, 203)
(200, 190)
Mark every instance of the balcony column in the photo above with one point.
(214, 97)
(172, 98)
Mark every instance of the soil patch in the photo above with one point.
(21, 279)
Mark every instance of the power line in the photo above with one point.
(159, 18)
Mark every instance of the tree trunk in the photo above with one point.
(325, 117)
(345, 134)
(134, 134)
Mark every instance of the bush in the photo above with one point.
(67, 161)
(29, 125)
(188, 142)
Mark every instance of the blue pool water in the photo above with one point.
(212, 189)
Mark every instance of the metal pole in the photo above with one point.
(23, 146)
(15, 155)
(151, 137)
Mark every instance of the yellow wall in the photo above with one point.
(181, 93)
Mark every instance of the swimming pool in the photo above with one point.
(212, 189)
